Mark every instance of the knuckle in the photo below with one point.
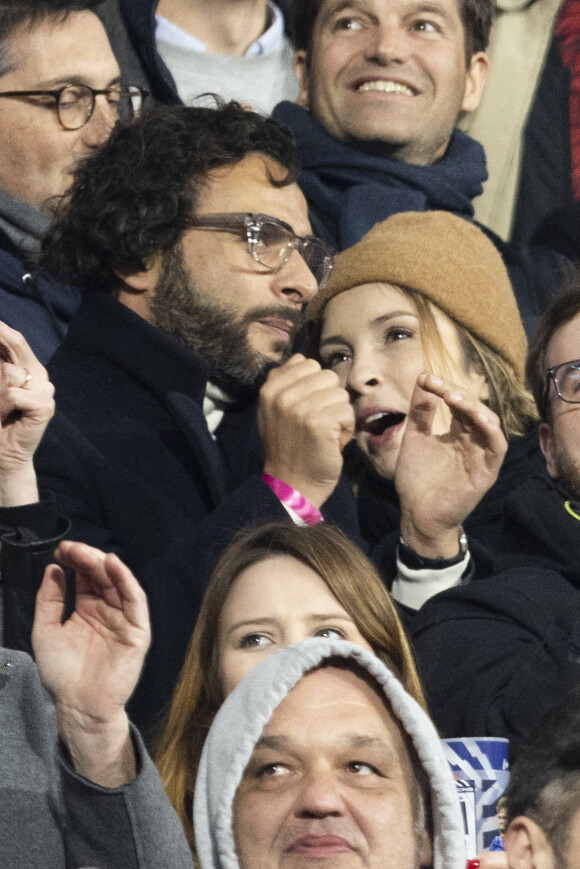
(19, 341)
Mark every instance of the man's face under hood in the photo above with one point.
(330, 783)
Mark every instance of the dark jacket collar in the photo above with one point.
(108, 328)
(140, 22)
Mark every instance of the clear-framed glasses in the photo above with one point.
(75, 103)
(270, 241)
(566, 377)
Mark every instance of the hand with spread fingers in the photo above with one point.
(26, 408)
(440, 478)
(305, 420)
(90, 663)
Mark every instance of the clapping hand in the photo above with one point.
(90, 664)
(26, 407)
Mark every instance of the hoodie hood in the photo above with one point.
(246, 711)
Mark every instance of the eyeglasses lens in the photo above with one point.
(129, 104)
(568, 378)
(317, 258)
(275, 245)
(76, 105)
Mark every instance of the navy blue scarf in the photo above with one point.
(348, 191)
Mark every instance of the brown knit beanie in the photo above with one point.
(446, 259)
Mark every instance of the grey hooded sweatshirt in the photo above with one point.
(239, 724)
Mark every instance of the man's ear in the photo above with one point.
(136, 289)
(475, 81)
(547, 446)
(526, 845)
(145, 281)
(300, 67)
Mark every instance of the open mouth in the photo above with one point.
(378, 423)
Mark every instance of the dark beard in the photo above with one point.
(214, 331)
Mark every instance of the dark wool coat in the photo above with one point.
(499, 652)
(35, 304)
(132, 464)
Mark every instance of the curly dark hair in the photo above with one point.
(545, 777)
(477, 17)
(137, 196)
(565, 308)
(29, 13)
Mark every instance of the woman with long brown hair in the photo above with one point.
(276, 584)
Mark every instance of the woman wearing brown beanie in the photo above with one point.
(420, 323)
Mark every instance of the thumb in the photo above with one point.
(50, 599)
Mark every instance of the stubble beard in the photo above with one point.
(568, 474)
(214, 331)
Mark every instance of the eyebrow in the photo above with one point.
(269, 620)
(275, 742)
(355, 5)
(351, 740)
(377, 321)
(430, 6)
(65, 80)
(427, 6)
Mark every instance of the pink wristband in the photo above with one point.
(293, 499)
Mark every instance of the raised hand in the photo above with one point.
(440, 478)
(90, 664)
(305, 421)
(26, 407)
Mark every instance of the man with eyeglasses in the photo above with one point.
(191, 241)
(502, 650)
(60, 97)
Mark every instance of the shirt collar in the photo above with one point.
(270, 41)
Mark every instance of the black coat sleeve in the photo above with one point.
(28, 537)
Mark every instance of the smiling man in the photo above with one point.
(382, 85)
(191, 241)
(319, 758)
(392, 77)
(60, 97)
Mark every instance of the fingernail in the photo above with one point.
(456, 396)
(436, 381)
(472, 864)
